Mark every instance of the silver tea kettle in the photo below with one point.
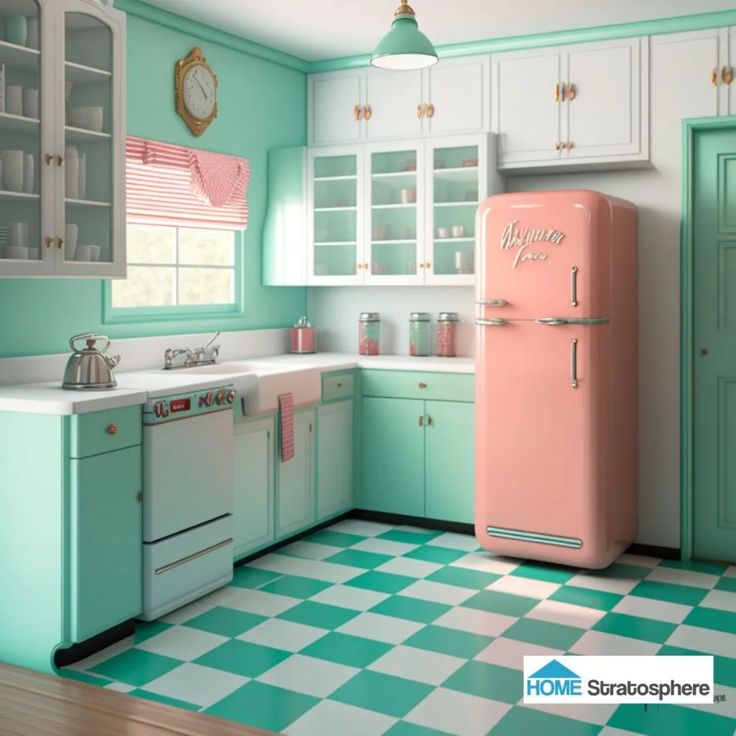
(90, 368)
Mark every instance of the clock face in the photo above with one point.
(199, 92)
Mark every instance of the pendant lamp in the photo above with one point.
(404, 46)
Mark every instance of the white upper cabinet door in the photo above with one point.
(335, 108)
(457, 96)
(391, 102)
(601, 103)
(526, 115)
(728, 67)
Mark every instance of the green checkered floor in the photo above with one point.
(367, 629)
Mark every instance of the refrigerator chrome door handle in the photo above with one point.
(574, 363)
(574, 286)
(495, 322)
(492, 303)
(586, 320)
(551, 321)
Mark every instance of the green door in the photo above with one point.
(105, 541)
(449, 466)
(393, 456)
(295, 500)
(714, 344)
(334, 458)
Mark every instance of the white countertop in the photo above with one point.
(135, 387)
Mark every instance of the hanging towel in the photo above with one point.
(286, 424)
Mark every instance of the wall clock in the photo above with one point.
(195, 87)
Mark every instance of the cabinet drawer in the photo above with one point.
(419, 385)
(103, 431)
(340, 386)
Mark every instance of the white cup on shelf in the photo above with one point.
(89, 118)
(71, 237)
(12, 170)
(88, 253)
(71, 177)
(32, 32)
(34, 254)
(18, 235)
(28, 171)
(14, 99)
(16, 252)
(30, 103)
(82, 180)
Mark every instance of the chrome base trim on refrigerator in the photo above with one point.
(521, 536)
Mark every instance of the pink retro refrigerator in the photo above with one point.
(556, 394)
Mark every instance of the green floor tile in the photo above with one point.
(146, 629)
(556, 636)
(345, 649)
(416, 537)
(488, 681)
(383, 582)
(709, 568)
(587, 597)
(296, 586)
(394, 696)
(462, 577)
(621, 570)
(358, 558)
(225, 621)
(441, 555)
(403, 728)
(712, 618)
(635, 627)
(684, 594)
(724, 668)
(138, 693)
(334, 539)
(413, 609)
(547, 573)
(670, 720)
(520, 721)
(135, 667)
(727, 584)
(242, 658)
(84, 677)
(449, 641)
(263, 706)
(319, 614)
(252, 577)
(497, 602)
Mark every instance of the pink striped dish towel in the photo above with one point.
(286, 424)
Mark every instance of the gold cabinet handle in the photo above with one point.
(429, 110)
(727, 74)
(428, 265)
(359, 266)
(569, 145)
(421, 421)
(367, 112)
(111, 429)
(558, 145)
(59, 159)
(557, 92)
(429, 421)
(59, 243)
(570, 92)
(357, 112)
(714, 77)
(48, 158)
(421, 265)
(422, 384)
(48, 240)
(420, 111)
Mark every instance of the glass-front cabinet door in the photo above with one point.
(393, 229)
(335, 216)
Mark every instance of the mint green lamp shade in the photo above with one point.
(404, 46)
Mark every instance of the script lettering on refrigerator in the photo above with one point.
(520, 238)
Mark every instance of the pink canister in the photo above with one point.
(446, 334)
(303, 337)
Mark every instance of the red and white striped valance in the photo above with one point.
(184, 187)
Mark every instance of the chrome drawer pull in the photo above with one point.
(492, 303)
(495, 322)
(551, 321)
(184, 560)
(574, 286)
(574, 363)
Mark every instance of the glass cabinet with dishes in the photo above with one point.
(62, 129)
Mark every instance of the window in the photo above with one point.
(177, 267)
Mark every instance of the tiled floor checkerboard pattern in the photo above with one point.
(367, 629)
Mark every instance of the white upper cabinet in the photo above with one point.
(391, 103)
(580, 105)
(727, 71)
(335, 107)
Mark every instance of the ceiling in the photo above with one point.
(327, 29)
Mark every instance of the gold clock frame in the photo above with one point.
(193, 58)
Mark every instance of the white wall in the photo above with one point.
(680, 65)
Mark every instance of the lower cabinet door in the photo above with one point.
(295, 497)
(253, 501)
(334, 458)
(393, 456)
(449, 461)
(105, 543)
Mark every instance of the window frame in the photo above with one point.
(172, 313)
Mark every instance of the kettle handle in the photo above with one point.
(87, 336)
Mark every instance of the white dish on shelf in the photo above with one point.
(88, 253)
(87, 118)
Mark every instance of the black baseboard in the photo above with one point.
(652, 550)
(445, 526)
(77, 652)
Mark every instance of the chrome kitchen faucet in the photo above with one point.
(206, 355)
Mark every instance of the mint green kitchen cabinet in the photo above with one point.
(105, 541)
(295, 494)
(253, 501)
(393, 456)
(335, 457)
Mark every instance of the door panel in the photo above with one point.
(393, 98)
(393, 456)
(458, 93)
(714, 343)
(332, 111)
(335, 459)
(295, 497)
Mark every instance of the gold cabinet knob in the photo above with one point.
(422, 384)
(727, 74)
(367, 112)
(421, 421)
(48, 240)
(714, 77)
(570, 93)
(112, 429)
(59, 243)
(59, 159)
(48, 158)
(558, 145)
(569, 145)
(428, 265)
(429, 110)
(421, 265)
(359, 266)
(557, 92)
(420, 111)
(357, 112)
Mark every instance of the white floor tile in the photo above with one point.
(428, 590)
(451, 540)
(597, 713)
(611, 731)
(198, 607)
(384, 546)
(376, 626)
(485, 562)
(192, 683)
(730, 572)
(120, 687)
(639, 560)
(599, 642)
(94, 659)
(317, 569)
(330, 718)
(361, 527)
(347, 596)
(568, 614)
(635, 605)
(721, 599)
(511, 653)
(260, 601)
(527, 587)
(279, 634)
(475, 621)
(183, 643)
(704, 640)
(409, 567)
(622, 586)
(417, 664)
(309, 550)
(682, 577)
(309, 675)
(457, 713)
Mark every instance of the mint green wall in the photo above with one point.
(262, 106)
